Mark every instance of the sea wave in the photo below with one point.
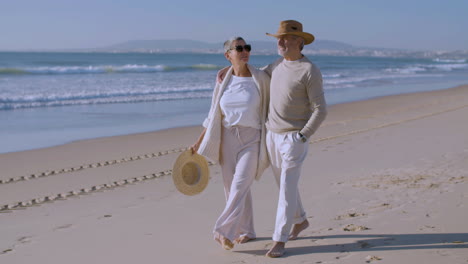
(12, 71)
(89, 98)
(371, 79)
(335, 75)
(422, 68)
(202, 66)
(103, 69)
(450, 61)
(449, 67)
(407, 70)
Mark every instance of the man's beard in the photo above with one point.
(281, 52)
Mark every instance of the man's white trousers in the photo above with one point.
(287, 153)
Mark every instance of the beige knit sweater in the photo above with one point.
(297, 101)
(211, 143)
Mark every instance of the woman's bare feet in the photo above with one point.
(225, 243)
(243, 239)
(277, 250)
(298, 228)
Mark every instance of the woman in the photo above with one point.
(234, 136)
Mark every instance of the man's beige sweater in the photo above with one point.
(297, 101)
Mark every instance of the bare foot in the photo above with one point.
(277, 250)
(225, 243)
(298, 228)
(243, 239)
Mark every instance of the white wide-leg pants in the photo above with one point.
(239, 157)
(287, 152)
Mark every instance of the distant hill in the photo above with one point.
(186, 45)
(319, 47)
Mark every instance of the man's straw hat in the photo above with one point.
(293, 27)
(190, 173)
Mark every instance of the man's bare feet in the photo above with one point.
(298, 228)
(225, 243)
(277, 250)
(243, 239)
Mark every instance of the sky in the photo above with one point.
(70, 24)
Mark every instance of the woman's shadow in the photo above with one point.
(374, 242)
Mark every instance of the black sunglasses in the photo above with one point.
(240, 48)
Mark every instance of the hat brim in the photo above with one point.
(308, 38)
(190, 173)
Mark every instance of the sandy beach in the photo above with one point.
(386, 181)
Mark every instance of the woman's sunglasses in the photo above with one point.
(240, 48)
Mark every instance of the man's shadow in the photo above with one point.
(374, 242)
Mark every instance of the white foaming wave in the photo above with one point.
(328, 86)
(153, 98)
(421, 68)
(138, 68)
(95, 69)
(86, 98)
(450, 61)
(449, 67)
(335, 75)
(406, 70)
(350, 82)
(128, 68)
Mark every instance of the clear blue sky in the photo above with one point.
(408, 24)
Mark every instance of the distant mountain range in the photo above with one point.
(186, 45)
(319, 47)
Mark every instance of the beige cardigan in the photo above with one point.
(210, 145)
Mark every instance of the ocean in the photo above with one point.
(51, 98)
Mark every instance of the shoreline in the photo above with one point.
(385, 178)
(196, 110)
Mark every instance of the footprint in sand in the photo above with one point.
(25, 239)
(369, 259)
(327, 148)
(349, 215)
(105, 216)
(354, 228)
(456, 180)
(6, 251)
(63, 227)
(21, 240)
(381, 207)
(426, 227)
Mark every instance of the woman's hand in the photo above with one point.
(194, 147)
(221, 74)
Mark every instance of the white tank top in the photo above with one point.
(240, 103)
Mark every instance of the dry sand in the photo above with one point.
(385, 182)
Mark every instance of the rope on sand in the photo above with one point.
(121, 183)
(91, 166)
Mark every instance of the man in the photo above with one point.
(297, 108)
